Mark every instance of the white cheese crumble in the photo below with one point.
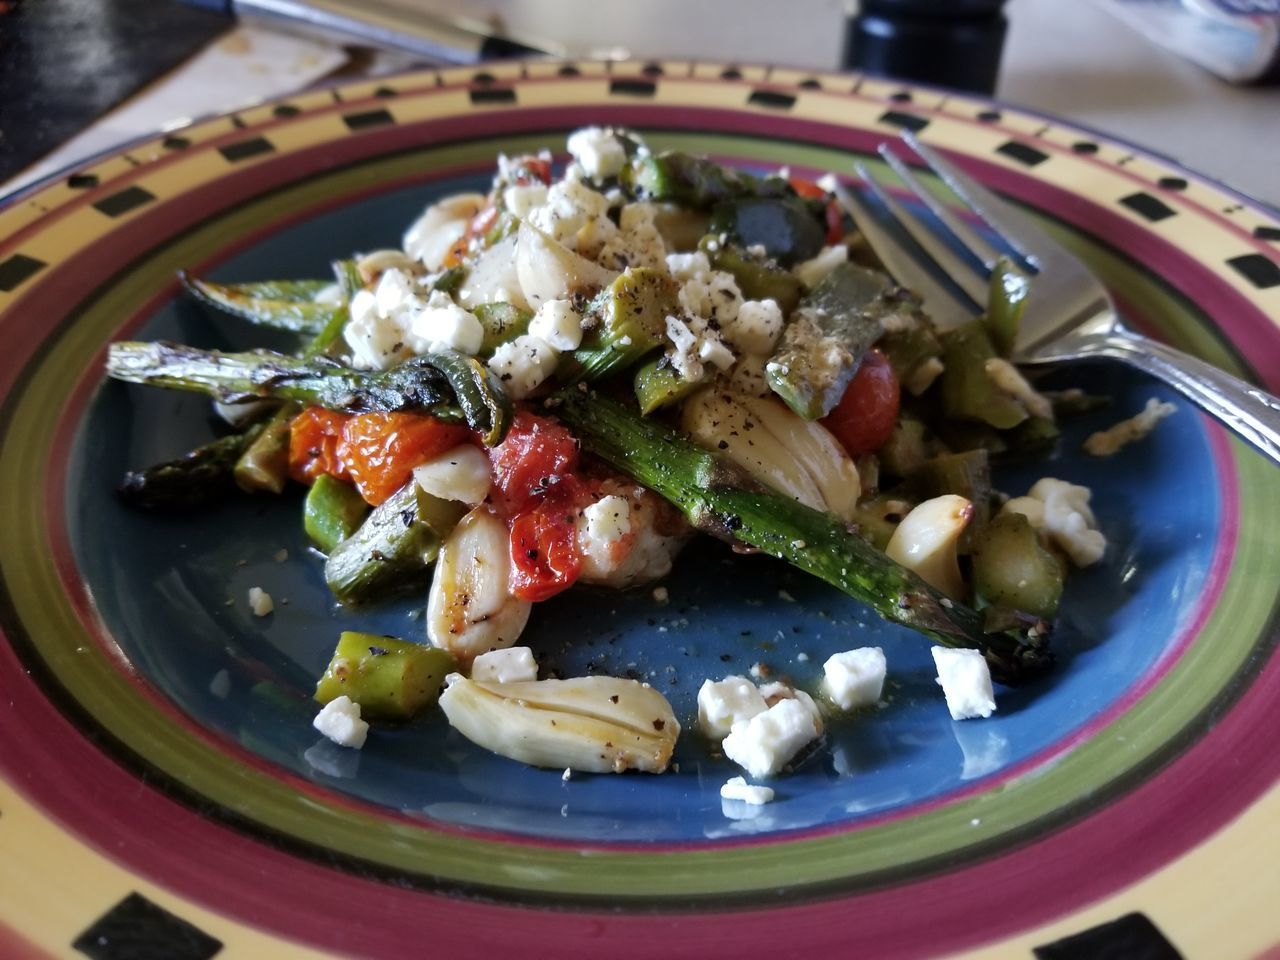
(722, 703)
(523, 364)
(571, 205)
(521, 199)
(1106, 442)
(737, 788)
(558, 324)
(601, 529)
(461, 474)
(598, 152)
(712, 295)
(612, 556)
(1061, 511)
(376, 340)
(813, 272)
(637, 243)
(340, 722)
(684, 344)
(260, 602)
(854, 678)
(756, 327)
(443, 324)
(966, 682)
(686, 266)
(773, 692)
(766, 742)
(505, 666)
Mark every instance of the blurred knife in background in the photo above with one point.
(422, 35)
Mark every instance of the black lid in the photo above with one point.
(953, 43)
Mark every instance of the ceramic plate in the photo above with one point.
(162, 792)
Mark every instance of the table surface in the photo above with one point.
(1071, 60)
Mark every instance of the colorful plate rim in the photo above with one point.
(1158, 208)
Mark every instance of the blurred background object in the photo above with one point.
(64, 62)
(950, 43)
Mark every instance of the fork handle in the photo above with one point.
(1250, 411)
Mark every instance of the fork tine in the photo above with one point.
(944, 306)
(965, 235)
(961, 272)
(1027, 239)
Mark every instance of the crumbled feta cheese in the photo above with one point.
(1106, 442)
(965, 679)
(601, 529)
(736, 788)
(570, 206)
(521, 199)
(813, 272)
(260, 602)
(523, 364)
(684, 354)
(509, 665)
(340, 722)
(773, 692)
(1061, 511)
(639, 555)
(376, 341)
(711, 349)
(393, 290)
(854, 678)
(461, 474)
(558, 324)
(444, 324)
(722, 703)
(1010, 380)
(637, 243)
(756, 327)
(567, 775)
(766, 742)
(686, 266)
(600, 154)
(712, 295)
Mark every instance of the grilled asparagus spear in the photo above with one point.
(719, 500)
(445, 384)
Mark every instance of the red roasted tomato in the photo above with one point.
(865, 415)
(536, 454)
(380, 450)
(314, 435)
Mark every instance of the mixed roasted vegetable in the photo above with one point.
(560, 381)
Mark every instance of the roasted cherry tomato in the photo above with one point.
(530, 169)
(380, 450)
(806, 188)
(537, 454)
(833, 215)
(314, 435)
(865, 415)
(544, 547)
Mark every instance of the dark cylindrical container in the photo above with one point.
(954, 43)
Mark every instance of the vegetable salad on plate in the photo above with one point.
(560, 382)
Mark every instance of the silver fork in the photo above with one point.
(1069, 315)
